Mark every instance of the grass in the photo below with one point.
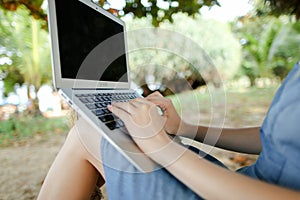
(20, 129)
(244, 107)
(241, 107)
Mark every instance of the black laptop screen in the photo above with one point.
(82, 31)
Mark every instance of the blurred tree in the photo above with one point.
(270, 46)
(257, 47)
(164, 66)
(285, 49)
(164, 9)
(159, 10)
(8, 69)
(214, 37)
(26, 45)
(280, 7)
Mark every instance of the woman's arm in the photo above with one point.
(146, 127)
(213, 182)
(244, 140)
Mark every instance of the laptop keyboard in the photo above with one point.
(97, 103)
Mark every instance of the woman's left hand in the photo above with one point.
(143, 122)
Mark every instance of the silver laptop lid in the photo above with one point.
(88, 46)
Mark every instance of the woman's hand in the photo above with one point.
(143, 123)
(174, 121)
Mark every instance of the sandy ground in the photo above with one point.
(23, 168)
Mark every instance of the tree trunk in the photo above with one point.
(33, 108)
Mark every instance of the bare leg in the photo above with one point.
(76, 168)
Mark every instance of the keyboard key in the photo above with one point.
(97, 103)
(83, 100)
(98, 112)
(89, 99)
(106, 118)
(106, 111)
(91, 106)
(95, 99)
(112, 125)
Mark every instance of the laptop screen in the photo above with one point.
(82, 31)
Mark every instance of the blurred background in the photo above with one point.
(252, 43)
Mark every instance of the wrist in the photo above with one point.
(168, 154)
(182, 128)
(153, 144)
(186, 129)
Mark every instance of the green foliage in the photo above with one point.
(285, 50)
(26, 44)
(13, 76)
(270, 46)
(159, 14)
(19, 129)
(34, 7)
(260, 48)
(8, 52)
(135, 7)
(280, 7)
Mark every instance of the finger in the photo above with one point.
(119, 112)
(159, 101)
(134, 103)
(124, 106)
(138, 102)
(156, 99)
(155, 94)
(159, 108)
(143, 101)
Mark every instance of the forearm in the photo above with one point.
(213, 182)
(244, 140)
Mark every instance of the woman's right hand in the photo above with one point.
(173, 119)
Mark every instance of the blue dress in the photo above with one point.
(278, 163)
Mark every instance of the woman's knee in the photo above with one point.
(89, 139)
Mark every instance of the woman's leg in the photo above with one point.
(74, 173)
(76, 168)
(124, 181)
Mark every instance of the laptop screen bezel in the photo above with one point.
(58, 80)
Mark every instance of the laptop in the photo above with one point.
(90, 69)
